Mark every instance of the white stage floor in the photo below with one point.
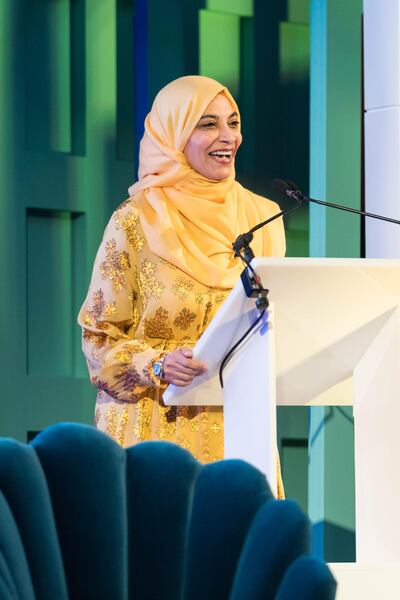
(367, 582)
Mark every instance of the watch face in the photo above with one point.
(157, 369)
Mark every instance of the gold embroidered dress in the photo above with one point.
(163, 269)
(138, 307)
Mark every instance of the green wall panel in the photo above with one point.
(48, 75)
(220, 48)
(49, 286)
(243, 8)
(298, 11)
(60, 179)
(294, 47)
(125, 81)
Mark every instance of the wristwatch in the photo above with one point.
(158, 367)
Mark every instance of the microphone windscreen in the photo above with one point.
(281, 186)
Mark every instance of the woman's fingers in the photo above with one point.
(180, 382)
(186, 360)
(180, 368)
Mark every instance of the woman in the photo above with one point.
(165, 266)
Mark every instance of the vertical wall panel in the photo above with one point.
(78, 72)
(48, 75)
(244, 8)
(335, 175)
(12, 214)
(294, 459)
(294, 64)
(125, 81)
(51, 282)
(220, 48)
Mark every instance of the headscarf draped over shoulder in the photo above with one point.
(189, 220)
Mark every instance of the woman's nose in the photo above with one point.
(226, 134)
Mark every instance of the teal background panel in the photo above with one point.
(335, 174)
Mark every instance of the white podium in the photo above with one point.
(332, 336)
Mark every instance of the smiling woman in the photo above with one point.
(212, 147)
(165, 266)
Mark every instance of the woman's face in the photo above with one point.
(212, 147)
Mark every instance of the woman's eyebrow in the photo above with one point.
(234, 114)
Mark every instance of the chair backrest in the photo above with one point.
(80, 517)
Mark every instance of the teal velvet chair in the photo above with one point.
(82, 519)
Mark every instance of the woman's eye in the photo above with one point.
(208, 125)
(234, 123)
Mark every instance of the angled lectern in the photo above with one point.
(331, 336)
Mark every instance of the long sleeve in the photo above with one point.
(118, 363)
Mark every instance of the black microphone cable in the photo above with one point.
(230, 352)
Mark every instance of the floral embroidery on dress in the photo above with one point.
(129, 223)
(182, 440)
(132, 297)
(199, 298)
(131, 378)
(100, 309)
(104, 386)
(115, 266)
(116, 423)
(184, 319)
(142, 423)
(220, 297)
(125, 354)
(149, 287)
(215, 428)
(209, 295)
(98, 340)
(207, 315)
(159, 326)
(182, 287)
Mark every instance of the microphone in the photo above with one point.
(290, 189)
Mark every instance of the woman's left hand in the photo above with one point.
(180, 368)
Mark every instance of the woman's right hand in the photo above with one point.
(180, 368)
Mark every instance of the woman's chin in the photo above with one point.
(221, 173)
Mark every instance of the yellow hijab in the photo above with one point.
(189, 220)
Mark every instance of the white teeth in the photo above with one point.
(224, 153)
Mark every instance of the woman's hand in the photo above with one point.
(180, 368)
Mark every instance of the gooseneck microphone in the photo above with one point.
(290, 189)
(241, 246)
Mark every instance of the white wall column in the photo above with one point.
(382, 125)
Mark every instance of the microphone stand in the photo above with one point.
(241, 246)
(251, 281)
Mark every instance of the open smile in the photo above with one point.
(222, 156)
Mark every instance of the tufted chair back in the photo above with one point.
(82, 519)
